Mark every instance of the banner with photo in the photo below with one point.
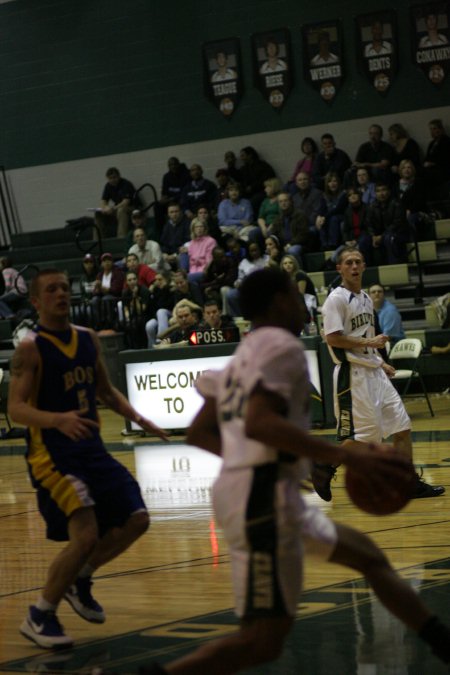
(377, 46)
(322, 57)
(431, 40)
(223, 74)
(272, 65)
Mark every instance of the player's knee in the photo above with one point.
(139, 523)
(87, 541)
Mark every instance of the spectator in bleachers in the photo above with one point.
(223, 182)
(404, 147)
(307, 199)
(389, 317)
(269, 208)
(174, 181)
(302, 281)
(254, 260)
(148, 252)
(176, 232)
(365, 186)
(214, 318)
(210, 221)
(151, 228)
(437, 163)
(88, 277)
(254, 172)
(197, 253)
(15, 289)
(107, 291)
(274, 250)
(117, 202)
(388, 226)
(412, 193)
(375, 155)
(354, 226)
(292, 228)
(185, 289)
(236, 215)
(145, 274)
(162, 301)
(135, 307)
(330, 159)
(187, 320)
(329, 220)
(198, 190)
(305, 164)
(230, 160)
(221, 272)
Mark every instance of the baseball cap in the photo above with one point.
(88, 257)
(136, 212)
(106, 256)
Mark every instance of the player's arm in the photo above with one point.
(266, 421)
(115, 400)
(23, 371)
(204, 430)
(338, 339)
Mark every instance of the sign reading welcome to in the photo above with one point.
(165, 391)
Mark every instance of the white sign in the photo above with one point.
(165, 391)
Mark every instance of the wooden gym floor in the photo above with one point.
(172, 589)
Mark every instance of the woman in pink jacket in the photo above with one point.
(198, 250)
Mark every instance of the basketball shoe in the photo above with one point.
(80, 597)
(321, 477)
(43, 628)
(423, 490)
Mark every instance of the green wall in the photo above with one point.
(84, 78)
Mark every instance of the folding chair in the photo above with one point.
(408, 351)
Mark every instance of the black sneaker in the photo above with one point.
(321, 477)
(423, 490)
(80, 597)
(43, 628)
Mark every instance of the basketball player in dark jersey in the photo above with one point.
(84, 495)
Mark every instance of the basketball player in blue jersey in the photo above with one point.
(84, 495)
(367, 406)
(255, 415)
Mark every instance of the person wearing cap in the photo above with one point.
(107, 291)
(88, 278)
(118, 198)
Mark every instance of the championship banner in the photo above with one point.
(431, 40)
(223, 74)
(322, 57)
(272, 65)
(377, 46)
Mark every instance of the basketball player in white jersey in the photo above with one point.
(255, 416)
(367, 406)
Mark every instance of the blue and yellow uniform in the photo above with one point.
(68, 474)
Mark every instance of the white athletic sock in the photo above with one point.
(45, 606)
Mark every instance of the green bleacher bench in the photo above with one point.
(442, 228)
(42, 254)
(427, 252)
(387, 275)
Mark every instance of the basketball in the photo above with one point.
(381, 498)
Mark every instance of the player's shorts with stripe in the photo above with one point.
(366, 404)
(267, 526)
(66, 481)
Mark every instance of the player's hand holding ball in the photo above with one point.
(379, 479)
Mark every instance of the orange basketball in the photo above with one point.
(382, 499)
